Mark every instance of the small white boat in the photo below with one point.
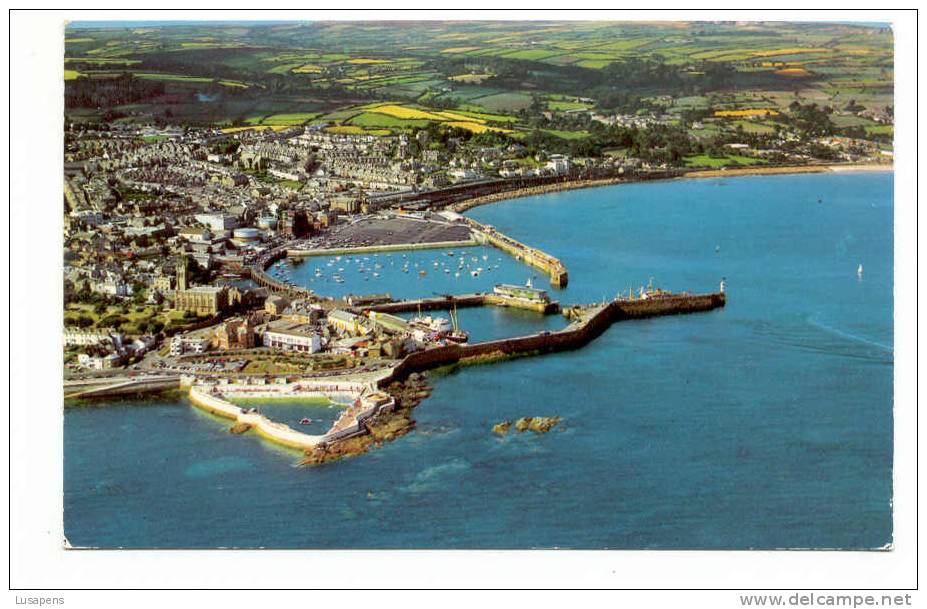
(859, 270)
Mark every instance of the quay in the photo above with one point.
(369, 249)
(449, 301)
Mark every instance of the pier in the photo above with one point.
(589, 323)
(529, 255)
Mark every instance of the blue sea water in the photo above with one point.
(767, 424)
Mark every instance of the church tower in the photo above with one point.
(182, 274)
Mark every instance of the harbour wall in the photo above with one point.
(392, 247)
(574, 336)
(520, 251)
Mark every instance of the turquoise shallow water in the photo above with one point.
(767, 424)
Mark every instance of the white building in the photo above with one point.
(292, 338)
(76, 337)
(217, 222)
(559, 164)
(188, 344)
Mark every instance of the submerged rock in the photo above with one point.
(502, 428)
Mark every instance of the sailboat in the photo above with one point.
(456, 335)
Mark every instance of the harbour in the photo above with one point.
(649, 428)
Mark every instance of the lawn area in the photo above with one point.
(703, 160)
(503, 102)
(881, 130)
(377, 120)
(295, 118)
(753, 127)
(567, 135)
(559, 105)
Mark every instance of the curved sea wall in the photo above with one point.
(275, 432)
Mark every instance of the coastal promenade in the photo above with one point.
(117, 386)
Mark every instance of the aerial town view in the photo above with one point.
(406, 285)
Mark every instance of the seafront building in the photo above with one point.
(291, 336)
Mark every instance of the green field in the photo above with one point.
(704, 160)
(267, 74)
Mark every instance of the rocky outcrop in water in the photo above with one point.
(535, 424)
(239, 428)
(502, 428)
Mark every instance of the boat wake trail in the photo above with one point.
(810, 335)
(852, 337)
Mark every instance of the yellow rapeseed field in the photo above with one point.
(793, 72)
(255, 127)
(747, 112)
(458, 117)
(794, 51)
(459, 49)
(476, 127)
(403, 112)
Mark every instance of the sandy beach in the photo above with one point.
(743, 171)
(705, 173)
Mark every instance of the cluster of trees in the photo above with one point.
(808, 119)
(84, 92)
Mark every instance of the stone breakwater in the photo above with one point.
(592, 323)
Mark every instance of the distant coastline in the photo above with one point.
(742, 171)
(699, 173)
